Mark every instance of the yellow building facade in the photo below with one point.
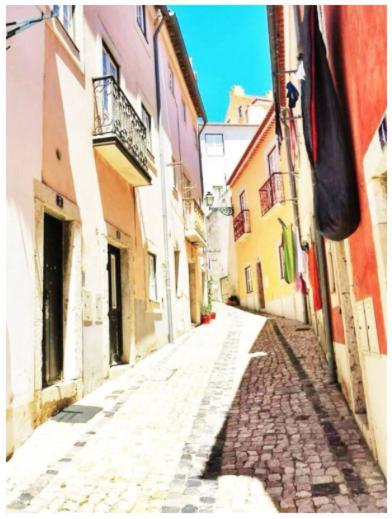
(262, 199)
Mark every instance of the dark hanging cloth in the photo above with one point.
(292, 94)
(278, 126)
(327, 139)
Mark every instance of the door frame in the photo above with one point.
(45, 202)
(119, 239)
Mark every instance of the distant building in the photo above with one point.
(222, 144)
(262, 200)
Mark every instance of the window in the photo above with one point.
(176, 267)
(218, 190)
(242, 201)
(214, 144)
(248, 279)
(146, 118)
(186, 187)
(240, 112)
(109, 68)
(176, 175)
(109, 65)
(382, 133)
(272, 158)
(183, 111)
(152, 277)
(141, 18)
(171, 80)
(66, 17)
(281, 260)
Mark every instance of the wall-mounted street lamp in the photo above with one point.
(209, 200)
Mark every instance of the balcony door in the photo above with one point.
(273, 163)
(109, 68)
(242, 201)
(115, 312)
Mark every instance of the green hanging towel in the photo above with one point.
(289, 254)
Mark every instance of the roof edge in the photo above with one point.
(179, 47)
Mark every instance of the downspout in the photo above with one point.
(318, 238)
(163, 178)
(205, 287)
(200, 159)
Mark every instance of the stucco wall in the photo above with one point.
(353, 49)
(262, 243)
(25, 65)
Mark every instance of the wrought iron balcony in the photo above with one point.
(119, 133)
(271, 192)
(195, 231)
(241, 224)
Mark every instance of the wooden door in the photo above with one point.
(115, 312)
(52, 336)
(260, 285)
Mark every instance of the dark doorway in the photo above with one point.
(192, 293)
(115, 313)
(260, 286)
(52, 337)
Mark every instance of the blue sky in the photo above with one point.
(228, 45)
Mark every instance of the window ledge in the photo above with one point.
(153, 306)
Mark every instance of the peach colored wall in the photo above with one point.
(116, 197)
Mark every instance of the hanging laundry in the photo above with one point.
(327, 138)
(300, 74)
(292, 94)
(301, 255)
(289, 253)
(300, 284)
(293, 140)
(278, 126)
(313, 277)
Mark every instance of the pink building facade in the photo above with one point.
(104, 261)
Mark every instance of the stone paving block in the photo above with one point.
(272, 425)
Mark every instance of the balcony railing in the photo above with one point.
(116, 123)
(271, 192)
(241, 224)
(194, 222)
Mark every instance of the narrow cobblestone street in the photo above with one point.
(236, 416)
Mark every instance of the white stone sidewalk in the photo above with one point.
(132, 456)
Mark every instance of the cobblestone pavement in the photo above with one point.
(228, 419)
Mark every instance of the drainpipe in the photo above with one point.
(322, 271)
(200, 160)
(164, 14)
(205, 255)
(318, 238)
